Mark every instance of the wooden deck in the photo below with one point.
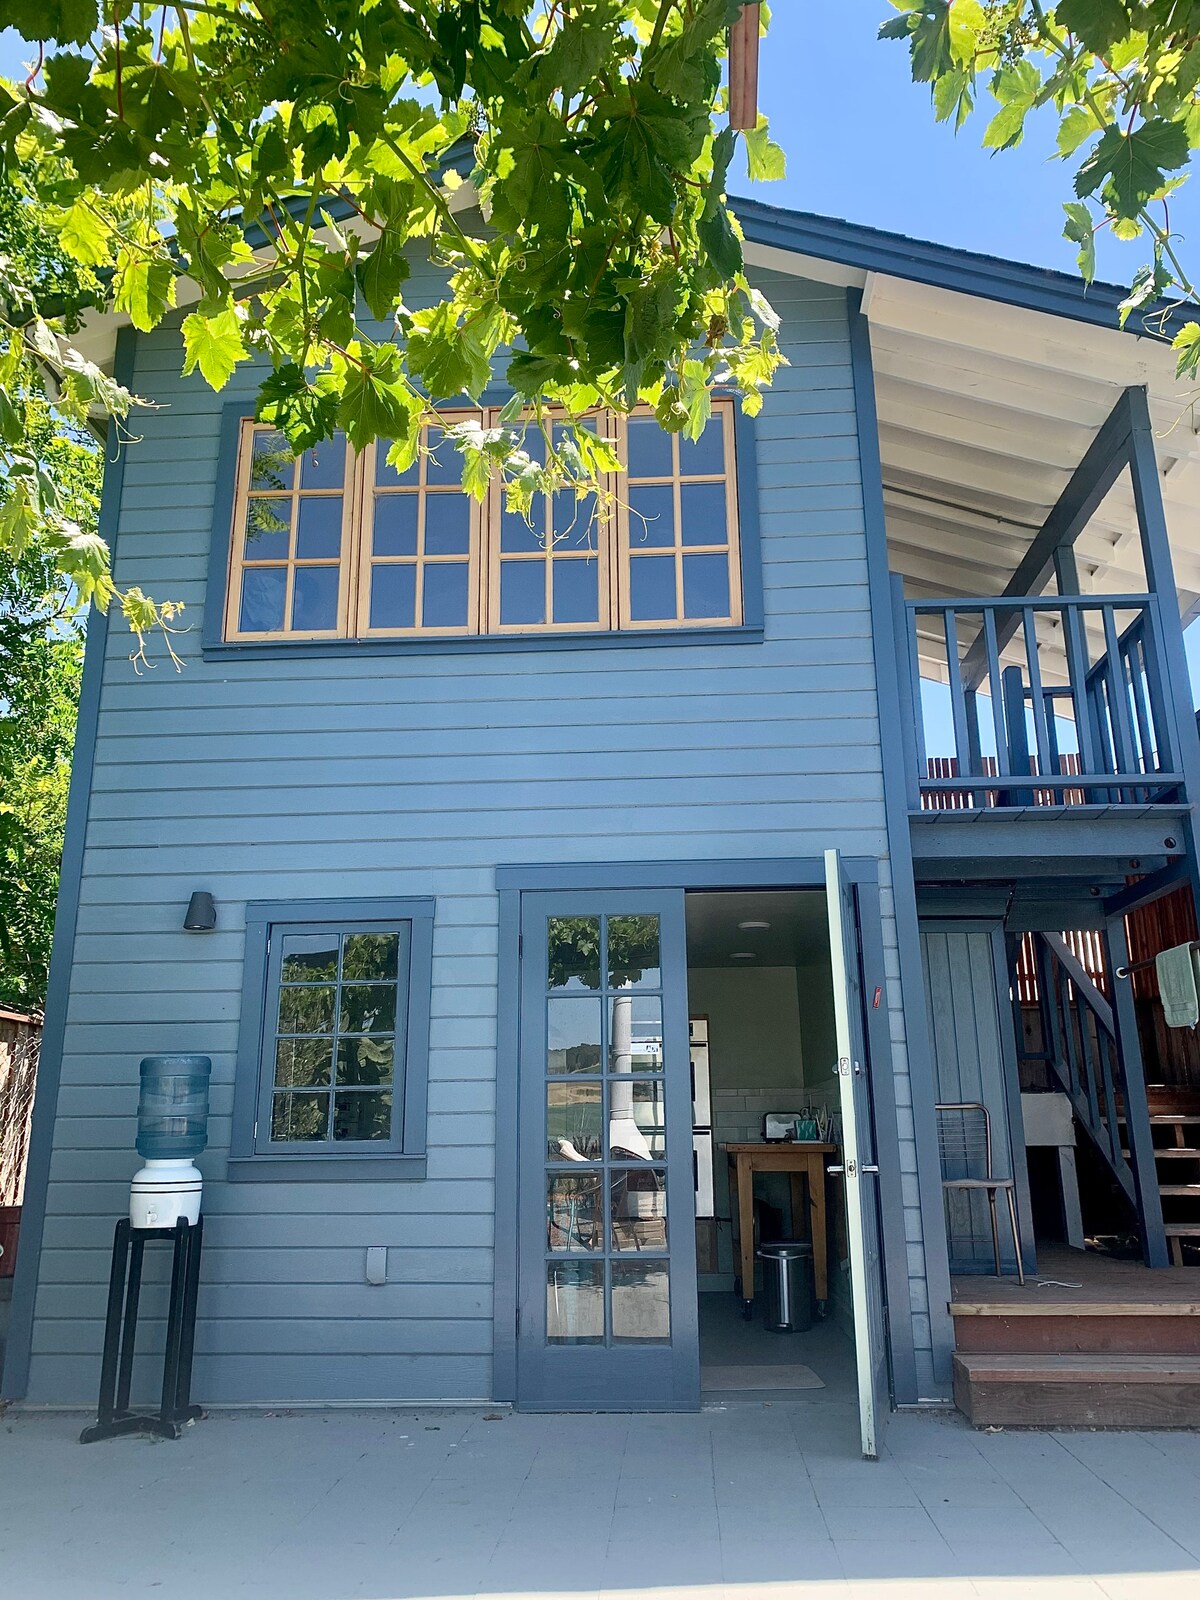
(1086, 1342)
(1079, 1283)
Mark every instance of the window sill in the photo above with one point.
(482, 644)
(383, 1168)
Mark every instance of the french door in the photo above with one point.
(607, 1260)
(859, 1166)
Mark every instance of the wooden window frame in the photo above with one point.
(614, 551)
(365, 559)
(291, 563)
(730, 546)
(606, 613)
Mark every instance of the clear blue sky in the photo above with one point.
(861, 143)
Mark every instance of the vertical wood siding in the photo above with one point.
(964, 1023)
(417, 775)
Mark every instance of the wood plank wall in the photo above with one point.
(417, 774)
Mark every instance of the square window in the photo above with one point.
(652, 588)
(522, 593)
(333, 1050)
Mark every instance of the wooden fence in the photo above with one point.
(20, 1042)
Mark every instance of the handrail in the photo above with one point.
(1033, 602)
(1080, 1039)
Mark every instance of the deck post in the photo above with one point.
(1133, 1092)
(1160, 580)
(932, 1248)
(1013, 693)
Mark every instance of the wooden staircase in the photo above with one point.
(1175, 1127)
(1122, 1350)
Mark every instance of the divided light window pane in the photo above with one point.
(336, 1053)
(336, 544)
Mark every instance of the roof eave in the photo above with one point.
(852, 244)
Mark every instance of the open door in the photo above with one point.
(859, 1170)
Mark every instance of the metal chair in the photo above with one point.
(965, 1147)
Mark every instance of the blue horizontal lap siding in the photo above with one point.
(405, 775)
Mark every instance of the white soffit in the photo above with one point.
(985, 410)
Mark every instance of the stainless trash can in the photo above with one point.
(787, 1286)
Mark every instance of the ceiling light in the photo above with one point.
(743, 955)
(753, 927)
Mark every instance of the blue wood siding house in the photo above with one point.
(955, 481)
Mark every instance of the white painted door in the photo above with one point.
(859, 1167)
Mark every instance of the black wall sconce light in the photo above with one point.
(201, 915)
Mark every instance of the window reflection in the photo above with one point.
(638, 1208)
(574, 1214)
(575, 1302)
(641, 1302)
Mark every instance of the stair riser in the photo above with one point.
(1024, 1404)
(1153, 1336)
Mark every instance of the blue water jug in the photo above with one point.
(173, 1107)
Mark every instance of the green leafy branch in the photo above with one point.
(1123, 79)
(273, 175)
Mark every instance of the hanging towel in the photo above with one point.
(1177, 986)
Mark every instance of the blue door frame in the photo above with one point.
(777, 873)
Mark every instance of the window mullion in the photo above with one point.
(488, 578)
(677, 514)
(358, 524)
(608, 543)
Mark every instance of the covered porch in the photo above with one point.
(1043, 539)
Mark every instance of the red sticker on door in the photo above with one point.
(878, 997)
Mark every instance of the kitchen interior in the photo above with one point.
(766, 1129)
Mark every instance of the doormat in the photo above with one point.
(762, 1377)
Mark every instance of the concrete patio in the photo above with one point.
(738, 1502)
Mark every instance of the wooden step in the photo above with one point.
(1023, 1390)
(1182, 1230)
(1192, 1189)
(1102, 1329)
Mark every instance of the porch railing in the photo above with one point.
(1079, 1046)
(1069, 690)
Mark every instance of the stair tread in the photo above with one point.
(1099, 1368)
(1179, 1188)
(1183, 1230)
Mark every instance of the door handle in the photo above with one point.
(836, 1171)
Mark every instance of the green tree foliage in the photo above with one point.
(268, 169)
(1122, 77)
(41, 654)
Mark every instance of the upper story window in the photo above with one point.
(337, 545)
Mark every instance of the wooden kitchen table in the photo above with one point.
(805, 1165)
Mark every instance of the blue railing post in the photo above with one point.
(1013, 681)
(908, 674)
(1122, 704)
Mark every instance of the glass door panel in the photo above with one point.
(607, 1312)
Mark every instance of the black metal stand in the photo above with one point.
(120, 1331)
